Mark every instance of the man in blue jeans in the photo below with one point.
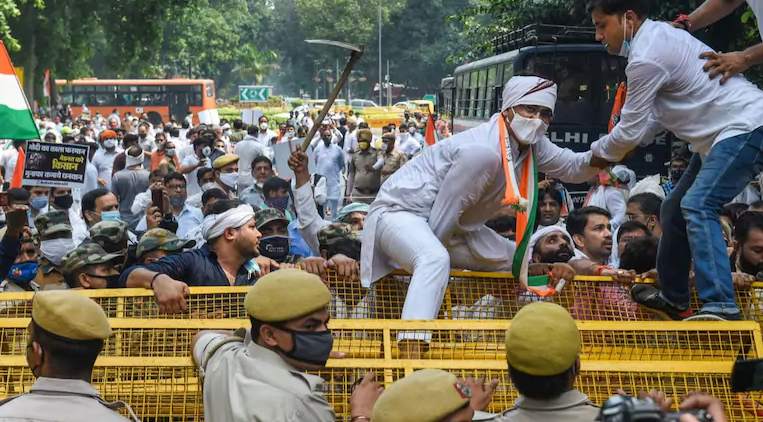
(668, 89)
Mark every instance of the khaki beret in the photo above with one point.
(70, 315)
(365, 135)
(542, 340)
(224, 160)
(286, 294)
(428, 395)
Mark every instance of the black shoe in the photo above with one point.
(650, 298)
(714, 316)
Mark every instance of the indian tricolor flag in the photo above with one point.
(16, 120)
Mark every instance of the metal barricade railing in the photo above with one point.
(151, 369)
(469, 295)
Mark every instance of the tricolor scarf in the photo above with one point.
(521, 196)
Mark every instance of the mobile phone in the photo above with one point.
(16, 219)
(3, 199)
(157, 198)
(747, 375)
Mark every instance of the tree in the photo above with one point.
(487, 18)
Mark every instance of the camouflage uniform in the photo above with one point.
(50, 226)
(340, 238)
(162, 239)
(111, 235)
(87, 254)
(267, 215)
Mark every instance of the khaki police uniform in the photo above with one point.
(543, 340)
(572, 406)
(247, 382)
(244, 381)
(75, 317)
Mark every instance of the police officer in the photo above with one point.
(431, 395)
(543, 350)
(66, 335)
(89, 266)
(55, 242)
(363, 180)
(263, 378)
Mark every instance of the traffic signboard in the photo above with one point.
(253, 93)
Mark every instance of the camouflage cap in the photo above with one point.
(53, 225)
(111, 235)
(266, 215)
(88, 253)
(335, 233)
(162, 239)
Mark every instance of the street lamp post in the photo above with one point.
(355, 75)
(327, 79)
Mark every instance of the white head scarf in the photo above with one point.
(215, 224)
(527, 90)
(625, 175)
(543, 232)
(133, 161)
(649, 184)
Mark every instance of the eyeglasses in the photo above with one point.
(536, 111)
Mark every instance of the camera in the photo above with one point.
(630, 409)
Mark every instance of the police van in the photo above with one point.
(586, 75)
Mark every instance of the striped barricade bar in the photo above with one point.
(469, 296)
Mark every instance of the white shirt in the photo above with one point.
(247, 150)
(457, 185)
(667, 88)
(8, 161)
(264, 138)
(104, 162)
(408, 144)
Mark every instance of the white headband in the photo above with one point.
(529, 90)
(543, 232)
(215, 224)
(133, 161)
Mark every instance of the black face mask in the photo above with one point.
(313, 347)
(275, 247)
(675, 175)
(112, 281)
(63, 202)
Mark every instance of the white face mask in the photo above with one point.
(411, 130)
(528, 131)
(110, 143)
(209, 185)
(229, 179)
(55, 249)
(264, 126)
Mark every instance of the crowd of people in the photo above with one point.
(170, 206)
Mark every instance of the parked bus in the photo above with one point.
(160, 99)
(445, 104)
(586, 75)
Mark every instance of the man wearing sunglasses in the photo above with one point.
(430, 215)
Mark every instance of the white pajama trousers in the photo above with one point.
(408, 241)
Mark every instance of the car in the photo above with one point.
(359, 105)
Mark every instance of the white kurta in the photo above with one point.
(455, 186)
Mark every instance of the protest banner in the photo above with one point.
(55, 165)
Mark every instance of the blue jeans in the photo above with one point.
(691, 229)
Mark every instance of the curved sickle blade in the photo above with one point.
(336, 44)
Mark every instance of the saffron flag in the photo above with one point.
(16, 118)
(429, 135)
(18, 172)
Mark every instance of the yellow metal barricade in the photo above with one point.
(469, 296)
(151, 369)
